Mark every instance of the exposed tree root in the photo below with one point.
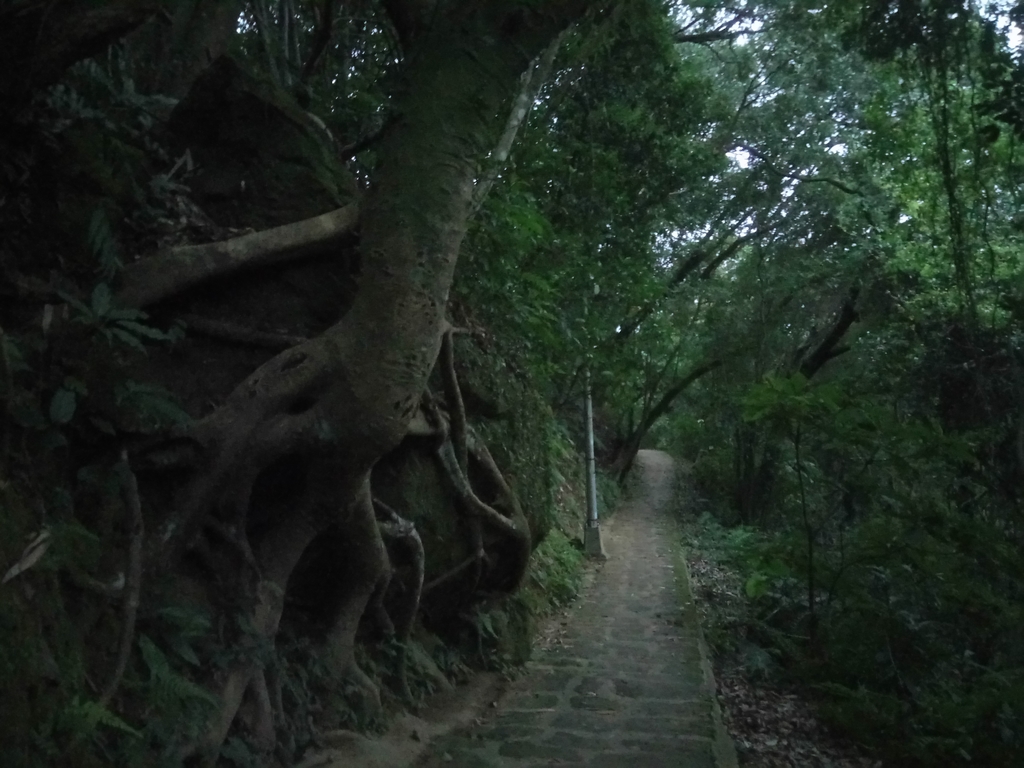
(402, 533)
(257, 714)
(337, 403)
(222, 331)
(453, 574)
(133, 578)
(453, 454)
(458, 430)
(173, 271)
(281, 411)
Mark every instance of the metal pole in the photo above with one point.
(592, 532)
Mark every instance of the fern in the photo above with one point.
(103, 244)
(153, 405)
(84, 717)
(169, 688)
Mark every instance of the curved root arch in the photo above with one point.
(268, 514)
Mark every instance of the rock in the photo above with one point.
(261, 159)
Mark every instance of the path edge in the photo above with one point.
(723, 748)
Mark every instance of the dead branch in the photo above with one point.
(133, 579)
(173, 271)
(7, 425)
(238, 334)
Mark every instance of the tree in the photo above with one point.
(335, 404)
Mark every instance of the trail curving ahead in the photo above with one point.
(627, 683)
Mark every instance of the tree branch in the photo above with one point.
(841, 186)
(532, 81)
(829, 347)
(321, 38)
(631, 444)
(40, 39)
(705, 37)
(173, 271)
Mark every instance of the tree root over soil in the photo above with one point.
(272, 434)
(284, 463)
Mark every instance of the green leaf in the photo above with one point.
(62, 406)
(127, 314)
(84, 311)
(145, 331)
(101, 298)
(90, 714)
(103, 244)
(102, 425)
(185, 651)
(155, 659)
(52, 438)
(150, 402)
(130, 339)
(28, 415)
(76, 385)
(756, 586)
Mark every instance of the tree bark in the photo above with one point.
(175, 270)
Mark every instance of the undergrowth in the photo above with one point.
(946, 709)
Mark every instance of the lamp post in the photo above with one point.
(592, 530)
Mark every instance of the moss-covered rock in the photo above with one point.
(261, 159)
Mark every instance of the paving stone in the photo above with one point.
(565, 739)
(514, 717)
(625, 688)
(695, 706)
(552, 681)
(533, 749)
(701, 759)
(696, 726)
(593, 722)
(534, 701)
(508, 732)
(595, 703)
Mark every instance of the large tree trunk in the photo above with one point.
(341, 401)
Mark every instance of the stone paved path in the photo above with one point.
(628, 685)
